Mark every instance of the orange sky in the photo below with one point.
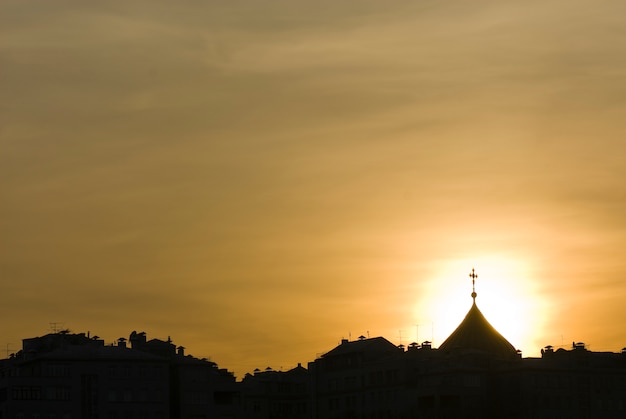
(261, 179)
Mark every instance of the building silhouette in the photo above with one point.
(475, 373)
(70, 376)
(277, 394)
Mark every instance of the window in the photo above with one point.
(112, 395)
(332, 384)
(376, 378)
(301, 407)
(350, 382)
(57, 370)
(128, 395)
(333, 404)
(197, 397)
(157, 395)
(472, 380)
(26, 393)
(58, 393)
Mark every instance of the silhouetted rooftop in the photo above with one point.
(93, 352)
(476, 334)
(377, 345)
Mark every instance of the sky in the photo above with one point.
(259, 180)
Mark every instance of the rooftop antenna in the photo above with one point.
(473, 276)
(56, 327)
(432, 332)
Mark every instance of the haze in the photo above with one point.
(258, 180)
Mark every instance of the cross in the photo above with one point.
(473, 276)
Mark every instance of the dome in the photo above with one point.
(476, 334)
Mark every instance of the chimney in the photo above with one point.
(181, 351)
(137, 340)
(121, 342)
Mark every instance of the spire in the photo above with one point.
(476, 334)
(473, 276)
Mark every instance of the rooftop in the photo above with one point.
(475, 334)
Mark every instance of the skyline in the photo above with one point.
(260, 181)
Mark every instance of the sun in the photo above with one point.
(506, 295)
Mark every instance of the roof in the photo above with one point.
(476, 334)
(374, 346)
(94, 353)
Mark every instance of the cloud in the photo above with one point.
(231, 166)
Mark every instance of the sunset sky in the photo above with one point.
(260, 179)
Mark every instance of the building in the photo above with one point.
(66, 376)
(475, 373)
(574, 383)
(363, 378)
(198, 388)
(273, 394)
(73, 376)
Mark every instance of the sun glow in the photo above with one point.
(506, 296)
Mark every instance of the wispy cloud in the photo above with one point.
(272, 170)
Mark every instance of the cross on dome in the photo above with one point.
(475, 335)
(473, 276)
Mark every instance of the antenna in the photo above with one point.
(432, 338)
(400, 336)
(56, 327)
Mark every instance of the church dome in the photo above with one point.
(476, 334)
